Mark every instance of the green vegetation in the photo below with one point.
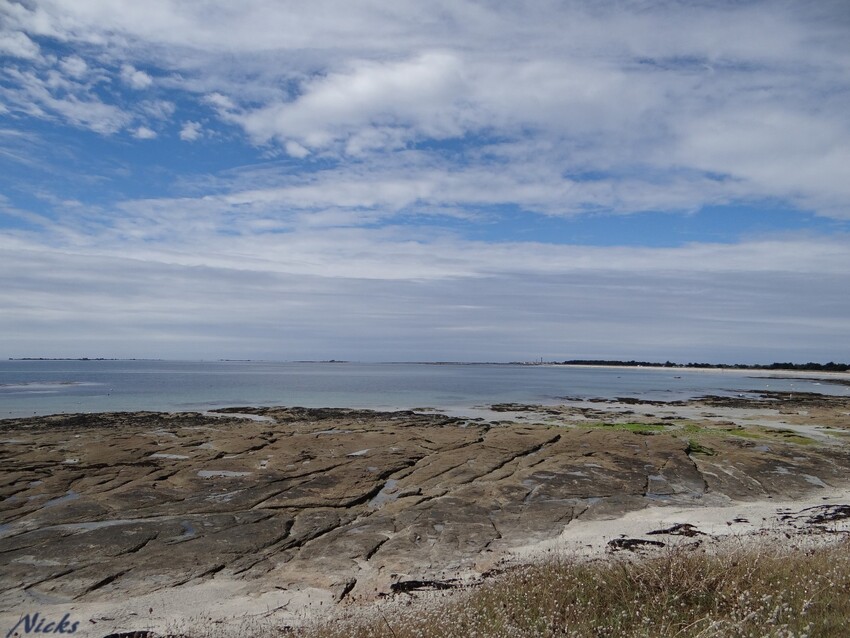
(747, 434)
(798, 439)
(790, 437)
(639, 428)
(769, 434)
(695, 447)
(761, 591)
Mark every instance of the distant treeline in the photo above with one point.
(817, 367)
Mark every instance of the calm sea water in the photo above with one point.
(51, 387)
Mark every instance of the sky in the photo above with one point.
(451, 180)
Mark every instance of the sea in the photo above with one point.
(29, 388)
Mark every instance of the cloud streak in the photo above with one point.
(447, 300)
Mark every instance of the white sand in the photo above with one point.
(234, 607)
(738, 519)
(214, 604)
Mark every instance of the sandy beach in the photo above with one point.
(158, 522)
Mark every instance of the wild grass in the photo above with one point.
(746, 591)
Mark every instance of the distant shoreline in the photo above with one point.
(788, 366)
(78, 359)
(586, 363)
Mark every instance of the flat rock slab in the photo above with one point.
(100, 507)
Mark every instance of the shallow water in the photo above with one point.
(387, 494)
(50, 387)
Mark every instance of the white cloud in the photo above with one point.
(135, 78)
(294, 149)
(17, 44)
(422, 183)
(191, 131)
(53, 95)
(219, 101)
(793, 155)
(416, 94)
(144, 133)
(158, 109)
(74, 66)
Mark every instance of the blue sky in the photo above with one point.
(452, 180)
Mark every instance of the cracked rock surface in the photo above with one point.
(105, 506)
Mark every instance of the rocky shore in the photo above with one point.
(142, 520)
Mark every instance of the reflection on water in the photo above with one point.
(52, 387)
(387, 494)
